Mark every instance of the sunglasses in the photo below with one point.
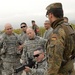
(36, 55)
(23, 26)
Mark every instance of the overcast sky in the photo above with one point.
(17, 11)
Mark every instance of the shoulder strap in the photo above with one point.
(68, 30)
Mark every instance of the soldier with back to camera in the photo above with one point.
(60, 44)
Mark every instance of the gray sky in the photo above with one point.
(17, 11)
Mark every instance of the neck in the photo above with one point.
(54, 19)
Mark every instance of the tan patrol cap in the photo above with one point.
(54, 5)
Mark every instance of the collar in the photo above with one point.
(57, 22)
(32, 38)
(42, 60)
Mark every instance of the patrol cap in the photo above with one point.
(53, 6)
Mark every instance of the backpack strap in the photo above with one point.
(68, 30)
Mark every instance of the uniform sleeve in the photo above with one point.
(23, 56)
(19, 39)
(1, 45)
(43, 43)
(55, 48)
(1, 48)
(1, 40)
(40, 71)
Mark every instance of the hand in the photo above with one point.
(27, 69)
(20, 47)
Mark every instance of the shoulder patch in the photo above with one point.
(54, 37)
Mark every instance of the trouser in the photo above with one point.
(8, 68)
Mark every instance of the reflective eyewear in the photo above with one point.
(36, 55)
(23, 26)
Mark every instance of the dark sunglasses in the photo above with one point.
(23, 26)
(36, 55)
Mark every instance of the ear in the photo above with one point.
(43, 53)
(51, 15)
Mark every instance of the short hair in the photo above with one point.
(66, 18)
(57, 12)
(47, 21)
(39, 49)
(32, 21)
(23, 23)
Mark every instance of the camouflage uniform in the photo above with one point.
(40, 68)
(35, 28)
(47, 33)
(22, 37)
(10, 53)
(1, 63)
(55, 49)
(1, 66)
(61, 42)
(31, 45)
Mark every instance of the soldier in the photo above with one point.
(35, 27)
(10, 53)
(31, 44)
(40, 65)
(60, 44)
(48, 29)
(23, 35)
(66, 22)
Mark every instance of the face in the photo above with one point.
(38, 56)
(33, 23)
(23, 27)
(49, 16)
(30, 33)
(8, 29)
(47, 26)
